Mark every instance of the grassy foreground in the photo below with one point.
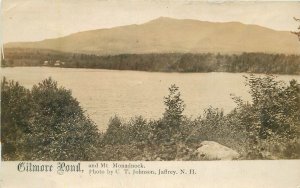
(47, 123)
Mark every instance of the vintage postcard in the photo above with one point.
(106, 93)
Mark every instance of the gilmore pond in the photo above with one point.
(105, 93)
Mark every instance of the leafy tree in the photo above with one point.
(59, 129)
(276, 105)
(50, 122)
(174, 107)
(16, 112)
(167, 129)
(115, 132)
(138, 130)
(272, 117)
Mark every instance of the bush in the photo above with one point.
(272, 118)
(16, 113)
(174, 108)
(116, 132)
(53, 125)
(47, 123)
(267, 127)
(139, 130)
(168, 128)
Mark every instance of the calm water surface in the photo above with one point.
(105, 93)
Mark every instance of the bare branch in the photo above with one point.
(297, 19)
(297, 32)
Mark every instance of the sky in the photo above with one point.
(33, 20)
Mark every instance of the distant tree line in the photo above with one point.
(168, 62)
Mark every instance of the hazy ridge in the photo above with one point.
(167, 35)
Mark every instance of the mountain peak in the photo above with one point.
(163, 19)
(165, 35)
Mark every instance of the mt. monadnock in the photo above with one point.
(167, 35)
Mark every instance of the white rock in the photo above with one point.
(210, 150)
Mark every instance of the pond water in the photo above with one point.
(105, 93)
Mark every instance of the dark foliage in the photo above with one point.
(45, 123)
(173, 62)
(267, 127)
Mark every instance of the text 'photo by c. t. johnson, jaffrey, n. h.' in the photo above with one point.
(150, 81)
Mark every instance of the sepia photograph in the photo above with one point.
(149, 81)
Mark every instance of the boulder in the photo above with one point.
(210, 150)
